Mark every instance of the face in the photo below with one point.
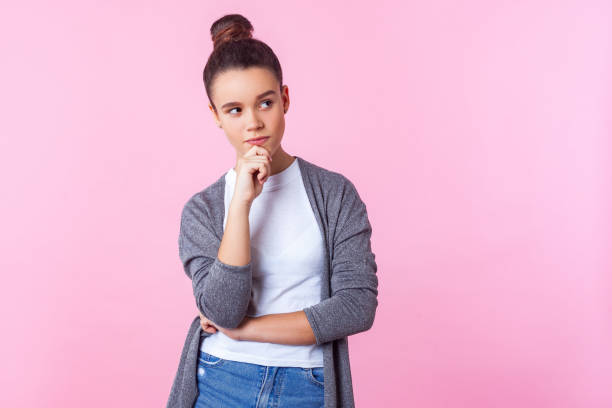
(250, 104)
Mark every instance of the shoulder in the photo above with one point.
(332, 183)
(338, 196)
(205, 203)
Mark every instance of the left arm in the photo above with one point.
(280, 328)
(354, 284)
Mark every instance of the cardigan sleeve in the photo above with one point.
(354, 285)
(222, 291)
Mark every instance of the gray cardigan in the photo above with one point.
(349, 284)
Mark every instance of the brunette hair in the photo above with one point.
(235, 48)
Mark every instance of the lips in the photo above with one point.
(258, 139)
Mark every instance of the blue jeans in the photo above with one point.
(235, 384)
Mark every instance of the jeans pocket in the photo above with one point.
(209, 360)
(316, 375)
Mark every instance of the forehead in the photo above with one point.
(243, 85)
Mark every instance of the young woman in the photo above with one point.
(278, 251)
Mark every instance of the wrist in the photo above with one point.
(249, 330)
(239, 205)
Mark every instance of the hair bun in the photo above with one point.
(231, 27)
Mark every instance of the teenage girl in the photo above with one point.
(271, 358)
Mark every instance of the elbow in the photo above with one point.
(370, 319)
(227, 308)
(224, 293)
(342, 315)
(366, 304)
(368, 315)
(223, 315)
(231, 321)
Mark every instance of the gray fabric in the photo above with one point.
(222, 292)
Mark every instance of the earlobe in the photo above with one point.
(214, 114)
(286, 98)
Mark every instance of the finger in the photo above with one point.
(252, 151)
(253, 167)
(257, 151)
(206, 326)
(204, 322)
(256, 168)
(261, 151)
(211, 323)
(263, 173)
(269, 167)
(258, 159)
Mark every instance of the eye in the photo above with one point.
(266, 101)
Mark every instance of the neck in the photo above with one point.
(281, 160)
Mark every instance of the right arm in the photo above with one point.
(221, 271)
(221, 286)
(235, 248)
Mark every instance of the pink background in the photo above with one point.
(479, 134)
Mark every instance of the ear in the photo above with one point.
(285, 97)
(215, 115)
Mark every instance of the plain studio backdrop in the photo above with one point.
(478, 133)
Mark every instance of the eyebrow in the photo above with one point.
(258, 97)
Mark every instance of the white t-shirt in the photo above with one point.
(287, 255)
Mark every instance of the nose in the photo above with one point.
(254, 122)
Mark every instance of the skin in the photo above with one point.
(252, 117)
